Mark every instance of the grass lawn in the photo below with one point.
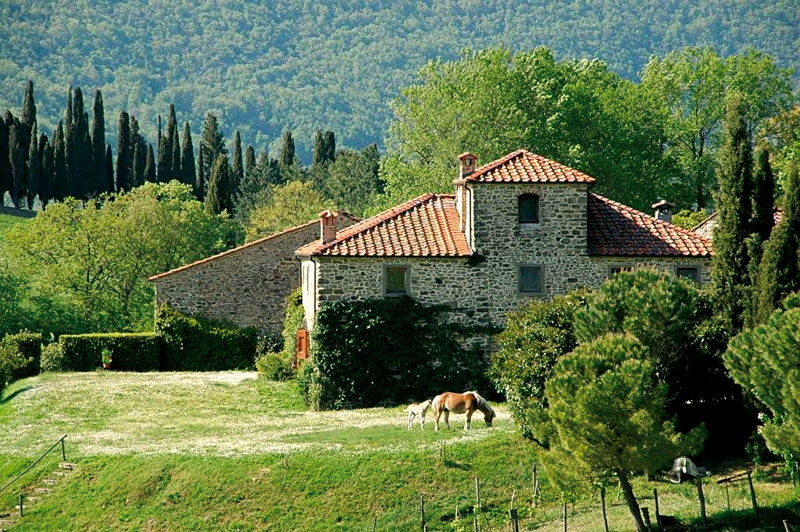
(224, 451)
(7, 222)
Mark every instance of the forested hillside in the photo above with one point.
(265, 67)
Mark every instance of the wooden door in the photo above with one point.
(302, 345)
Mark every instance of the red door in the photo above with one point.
(302, 345)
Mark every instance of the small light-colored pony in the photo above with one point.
(460, 403)
(418, 410)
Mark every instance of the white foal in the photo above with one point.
(418, 409)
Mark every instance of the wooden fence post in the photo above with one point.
(658, 510)
(646, 517)
(475, 523)
(477, 493)
(752, 492)
(728, 495)
(565, 517)
(603, 506)
(422, 512)
(699, 483)
(514, 521)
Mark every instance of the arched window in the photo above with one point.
(528, 209)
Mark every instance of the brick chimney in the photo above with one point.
(327, 226)
(663, 210)
(467, 162)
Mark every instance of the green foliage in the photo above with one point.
(53, 357)
(607, 409)
(199, 344)
(535, 337)
(734, 177)
(688, 219)
(89, 263)
(292, 204)
(352, 180)
(763, 195)
(128, 351)
(764, 361)
(23, 353)
(274, 367)
(366, 353)
(293, 320)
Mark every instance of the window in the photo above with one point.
(690, 274)
(395, 280)
(528, 205)
(530, 279)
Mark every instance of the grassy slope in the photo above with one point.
(7, 222)
(223, 452)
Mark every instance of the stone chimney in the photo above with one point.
(663, 210)
(327, 226)
(467, 162)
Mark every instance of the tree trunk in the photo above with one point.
(633, 506)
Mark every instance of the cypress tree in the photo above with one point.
(34, 168)
(17, 153)
(59, 164)
(110, 169)
(99, 144)
(46, 186)
(138, 165)
(318, 156)
(6, 180)
(212, 143)
(81, 160)
(164, 164)
(218, 196)
(173, 147)
(124, 172)
(734, 178)
(68, 111)
(779, 272)
(330, 147)
(28, 115)
(763, 195)
(188, 171)
(150, 166)
(200, 187)
(237, 176)
(249, 160)
(87, 180)
(287, 150)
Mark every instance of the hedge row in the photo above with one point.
(23, 352)
(198, 344)
(129, 351)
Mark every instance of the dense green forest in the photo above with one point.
(267, 67)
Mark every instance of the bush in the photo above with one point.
(199, 344)
(292, 322)
(23, 353)
(129, 351)
(274, 367)
(536, 336)
(53, 357)
(308, 379)
(382, 351)
(269, 342)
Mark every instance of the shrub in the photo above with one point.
(199, 344)
(53, 357)
(308, 379)
(274, 367)
(269, 342)
(292, 322)
(23, 352)
(536, 336)
(129, 351)
(387, 350)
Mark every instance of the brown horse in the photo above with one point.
(460, 403)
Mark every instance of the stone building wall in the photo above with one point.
(247, 285)
(484, 289)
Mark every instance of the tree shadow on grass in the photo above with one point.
(16, 393)
(768, 519)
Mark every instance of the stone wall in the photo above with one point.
(247, 285)
(484, 289)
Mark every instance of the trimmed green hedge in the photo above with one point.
(199, 344)
(24, 354)
(129, 351)
(383, 351)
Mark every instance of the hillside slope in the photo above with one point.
(265, 66)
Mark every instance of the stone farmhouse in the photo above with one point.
(520, 227)
(517, 228)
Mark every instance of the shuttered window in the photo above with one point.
(528, 205)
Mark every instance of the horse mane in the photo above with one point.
(482, 403)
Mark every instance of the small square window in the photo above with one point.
(690, 274)
(528, 209)
(396, 280)
(530, 279)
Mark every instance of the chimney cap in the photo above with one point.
(663, 204)
(467, 154)
(327, 213)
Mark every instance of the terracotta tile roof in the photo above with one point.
(427, 226)
(522, 166)
(244, 246)
(620, 231)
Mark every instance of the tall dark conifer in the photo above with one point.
(150, 166)
(112, 186)
(174, 145)
(6, 179)
(212, 143)
(139, 153)
(34, 168)
(84, 181)
(28, 115)
(200, 187)
(763, 195)
(125, 179)
(58, 189)
(734, 178)
(249, 160)
(218, 195)
(287, 150)
(330, 147)
(46, 184)
(17, 152)
(237, 175)
(188, 171)
(99, 144)
(318, 155)
(68, 185)
(164, 164)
